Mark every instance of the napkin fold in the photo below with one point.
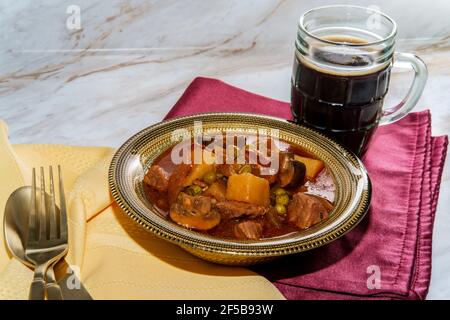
(115, 257)
(388, 255)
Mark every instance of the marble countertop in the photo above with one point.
(130, 61)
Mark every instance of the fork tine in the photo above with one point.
(32, 234)
(52, 210)
(42, 210)
(62, 206)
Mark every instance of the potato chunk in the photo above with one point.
(199, 170)
(313, 166)
(248, 188)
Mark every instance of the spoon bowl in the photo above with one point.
(15, 228)
(16, 222)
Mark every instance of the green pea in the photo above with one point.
(282, 199)
(210, 177)
(274, 188)
(246, 169)
(280, 208)
(194, 190)
(280, 191)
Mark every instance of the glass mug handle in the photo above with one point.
(415, 91)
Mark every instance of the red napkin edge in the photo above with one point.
(205, 85)
(439, 147)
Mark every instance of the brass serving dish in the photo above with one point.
(352, 198)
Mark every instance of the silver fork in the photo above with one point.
(47, 233)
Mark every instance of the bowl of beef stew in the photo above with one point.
(239, 189)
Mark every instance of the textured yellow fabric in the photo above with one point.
(117, 259)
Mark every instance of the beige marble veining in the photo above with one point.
(131, 61)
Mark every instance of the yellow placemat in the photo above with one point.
(117, 259)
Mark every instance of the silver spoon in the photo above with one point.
(15, 227)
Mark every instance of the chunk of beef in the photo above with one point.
(305, 211)
(248, 230)
(195, 203)
(273, 219)
(177, 180)
(157, 178)
(228, 169)
(234, 209)
(217, 190)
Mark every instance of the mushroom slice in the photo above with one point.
(194, 212)
(292, 172)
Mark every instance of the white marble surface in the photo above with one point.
(131, 61)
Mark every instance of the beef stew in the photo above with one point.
(236, 200)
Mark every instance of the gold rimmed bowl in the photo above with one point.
(135, 156)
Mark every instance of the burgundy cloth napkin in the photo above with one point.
(405, 165)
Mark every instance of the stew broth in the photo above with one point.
(291, 205)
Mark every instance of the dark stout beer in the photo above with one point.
(344, 105)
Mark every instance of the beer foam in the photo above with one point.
(335, 58)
